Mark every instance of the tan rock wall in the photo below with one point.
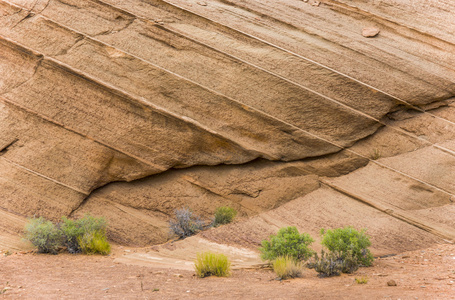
(100, 91)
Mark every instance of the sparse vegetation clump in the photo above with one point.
(208, 264)
(376, 154)
(362, 280)
(330, 264)
(71, 230)
(86, 235)
(186, 223)
(224, 215)
(44, 235)
(327, 265)
(348, 244)
(287, 267)
(348, 250)
(288, 242)
(94, 243)
(349, 263)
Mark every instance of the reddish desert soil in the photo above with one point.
(421, 274)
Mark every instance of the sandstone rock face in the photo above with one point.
(96, 92)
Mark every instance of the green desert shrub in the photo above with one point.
(71, 230)
(348, 244)
(287, 267)
(87, 235)
(288, 242)
(185, 223)
(224, 215)
(94, 243)
(208, 263)
(44, 235)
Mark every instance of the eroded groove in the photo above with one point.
(4, 147)
(208, 190)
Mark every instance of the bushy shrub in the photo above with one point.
(44, 235)
(94, 243)
(330, 264)
(287, 267)
(349, 263)
(208, 263)
(327, 265)
(87, 235)
(185, 223)
(224, 215)
(288, 242)
(344, 241)
(71, 230)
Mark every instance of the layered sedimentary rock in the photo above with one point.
(100, 91)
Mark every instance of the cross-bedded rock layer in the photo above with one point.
(100, 91)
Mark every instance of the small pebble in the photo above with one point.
(391, 283)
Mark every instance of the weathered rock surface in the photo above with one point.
(100, 91)
(140, 210)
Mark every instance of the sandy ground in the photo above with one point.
(421, 274)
